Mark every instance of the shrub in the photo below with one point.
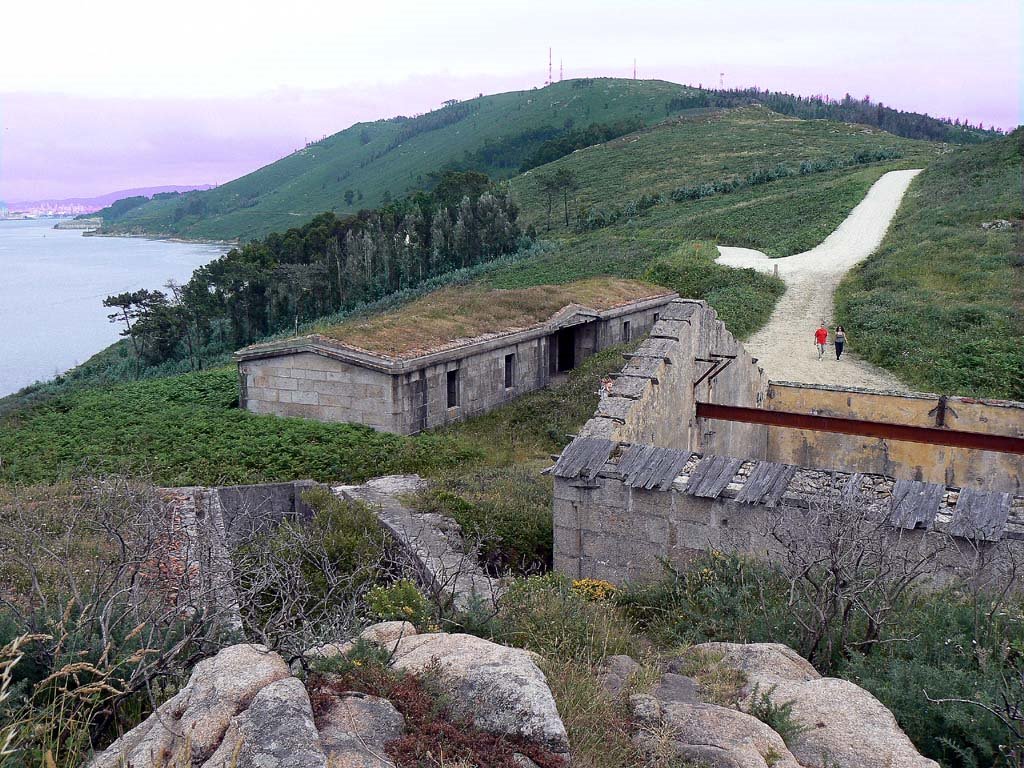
(505, 511)
(401, 601)
(435, 736)
(545, 614)
(778, 717)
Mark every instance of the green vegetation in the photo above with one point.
(187, 430)
(942, 301)
(693, 151)
(370, 164)
(935, 646)
(387, 159)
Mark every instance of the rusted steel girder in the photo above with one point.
(904, 432)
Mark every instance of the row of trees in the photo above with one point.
(912, 125)
(328, 265)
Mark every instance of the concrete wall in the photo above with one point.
(316, 387)
(946, 465)
(604, 529)
(653, 399)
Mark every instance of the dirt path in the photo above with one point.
(785, 346)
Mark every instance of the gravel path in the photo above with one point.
(785, 345)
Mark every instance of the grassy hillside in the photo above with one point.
(712, 147)
(942, 301)
(391, 157)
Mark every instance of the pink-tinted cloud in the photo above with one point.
(91, 106)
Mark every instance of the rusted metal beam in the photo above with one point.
(903, 432)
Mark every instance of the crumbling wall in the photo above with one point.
(621, 525)
(689, 356)
(961, 467)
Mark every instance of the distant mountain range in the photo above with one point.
(78, 205)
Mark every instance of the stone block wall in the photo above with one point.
(313, 386)
(604, 528)
(689, 356)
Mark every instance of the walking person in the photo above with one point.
(821, 339)
(840, 341)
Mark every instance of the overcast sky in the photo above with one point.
(108, 95)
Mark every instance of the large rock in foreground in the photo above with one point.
(276, 731)
(844, 725)
(197, 717)
(501, 689)
(707, 734)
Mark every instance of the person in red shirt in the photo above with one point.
(821, 339)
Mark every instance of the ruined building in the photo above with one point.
(693, 448)
(454, 354)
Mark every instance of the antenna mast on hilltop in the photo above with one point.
(561, 71)
(550, 79)
(721, 81)
(634, 69)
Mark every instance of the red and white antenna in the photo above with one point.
(550, 80)
(561, 71)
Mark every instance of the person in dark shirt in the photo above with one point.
(840, 341)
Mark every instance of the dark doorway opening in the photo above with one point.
(566, 349)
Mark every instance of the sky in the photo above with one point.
(109, 95)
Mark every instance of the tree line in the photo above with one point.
(326, 266)
(911, 125)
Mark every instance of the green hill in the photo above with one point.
(370, 163)
(388, 158)
(941, 303)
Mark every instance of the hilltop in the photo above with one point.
(369, 164)
(386, 159)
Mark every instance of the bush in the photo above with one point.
(547, 615)
(743, 298)
(507, 511)
(777, 716)
(434, 736)
(401, 601)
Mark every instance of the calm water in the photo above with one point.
(52, 285)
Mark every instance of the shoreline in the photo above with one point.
(168, 239)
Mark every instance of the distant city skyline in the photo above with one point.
(99, 97)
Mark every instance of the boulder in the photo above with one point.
(197, 717)
(386, 633)
(275, 731)
(844, 724)
(767, 662)
(673, 687)
(354, 729)
(616, 673)
(501, 689)
(709, 735)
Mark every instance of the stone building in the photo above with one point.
(693, 448)
(453, 354)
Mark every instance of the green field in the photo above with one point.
(942, 302)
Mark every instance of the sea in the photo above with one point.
(52, 286)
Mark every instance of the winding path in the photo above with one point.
(785, 347)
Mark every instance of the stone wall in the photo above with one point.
(607, 528)
(960, 467)
(623, 499)
(410, 395)
(313, 386)
(689, 356)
